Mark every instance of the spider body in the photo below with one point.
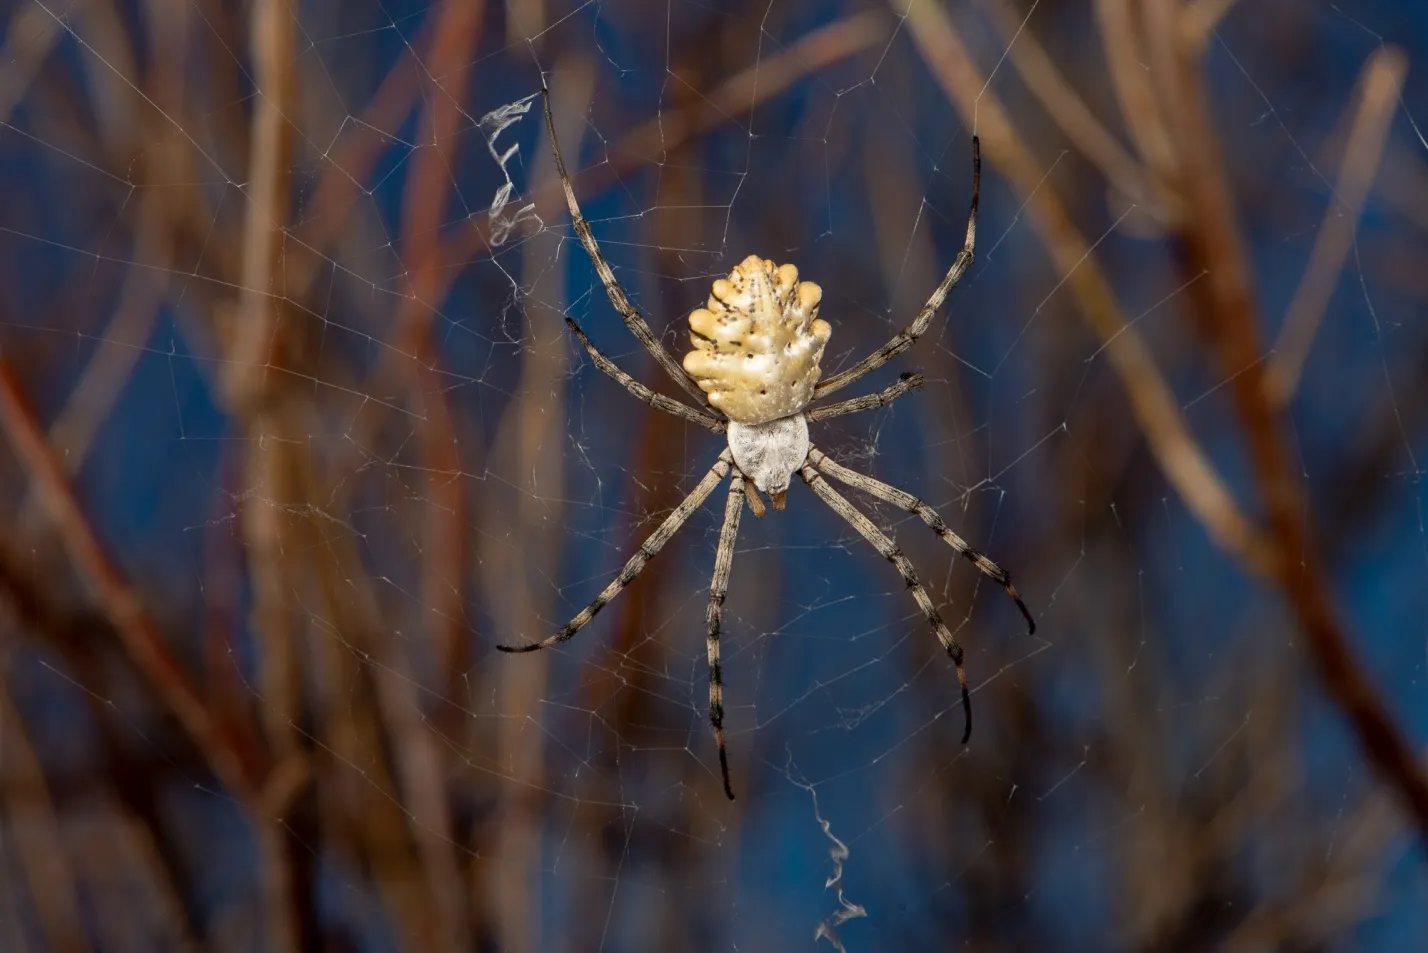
(755, 373)
(757, 348)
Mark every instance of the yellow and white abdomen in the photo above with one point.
(758, 343)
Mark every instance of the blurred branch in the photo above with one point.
(120, 346)
(1335, 890)
(254, 346)
(365, 806)
(30, 813)
(1380, 85)
(1127, 73)
(431, 172)
(30, 34)
(109, 54)
(123, 607)
(456, 37)
(1199, 18)
(121, 343)
(1180, 457)
(1068, 110)
(327, 213)
(1229, 318)
(48, 614)
(258, 343)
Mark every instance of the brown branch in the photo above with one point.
(354, 665)
(430, 173)
(326, 215)
(1230, 320)
(419, 760)
(86, 642)
(1125, 64)
(1068, 110)
(30, 34)
(121, 344)
(1199, 18)
(1380, 84)
(254, 394)
(36, 835)
(125, 611)
(1180, 457)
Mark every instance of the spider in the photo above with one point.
(754, 371)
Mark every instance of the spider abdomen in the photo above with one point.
(758, 342)
(770, 453)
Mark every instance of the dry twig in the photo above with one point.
(456, 37)
(1179, 455)
(1068, 110)
(38, 841)
(122, 606)
(1380, 85)
(251, 390)
(1230, 320)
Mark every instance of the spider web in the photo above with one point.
(293, 324)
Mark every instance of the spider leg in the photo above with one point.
(723, 562)
(631, 315)
(657, 401)
(905, 338)
(905, 385)
(910, 503)
(647, 551)
(889, 551)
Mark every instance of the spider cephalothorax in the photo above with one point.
(755, 370)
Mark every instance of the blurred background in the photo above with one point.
(294, 434)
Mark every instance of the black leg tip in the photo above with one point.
(724, 767)
(966, 714)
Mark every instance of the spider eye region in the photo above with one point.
(769, 453)
(758, 342)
